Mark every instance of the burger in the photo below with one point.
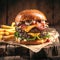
(31, 27)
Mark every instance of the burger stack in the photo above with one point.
(32, 28)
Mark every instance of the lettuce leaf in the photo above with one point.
(16, 34)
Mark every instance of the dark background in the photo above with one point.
(10, 8)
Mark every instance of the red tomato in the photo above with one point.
(48, 40)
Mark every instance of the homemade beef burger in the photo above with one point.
(31, 26)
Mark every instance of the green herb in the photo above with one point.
(16, 34)
(46, 36)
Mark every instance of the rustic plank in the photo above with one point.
(57, 12)
(2, 12)
(20, 5)
(50, 8)
(46, 6)
(10, 58)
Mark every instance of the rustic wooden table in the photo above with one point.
(51, 52)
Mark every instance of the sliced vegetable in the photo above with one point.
(38, 37)
(34, 38)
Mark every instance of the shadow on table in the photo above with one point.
(41, 55)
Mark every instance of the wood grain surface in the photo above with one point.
(10, 8)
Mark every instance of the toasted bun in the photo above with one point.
(36, 42)
(30, 15)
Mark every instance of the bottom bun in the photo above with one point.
(36, 42)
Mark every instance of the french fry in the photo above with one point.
(7, 27)
(13, 24)
(8, 37)
(2, 30)
(6, 33)
(1, 37)
(1, 33)
(10, 31)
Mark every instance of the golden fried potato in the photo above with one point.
(7, 27)
(13, 24)
(1, 37)
(6, 33)
(2, 30)
(9, 37)
(1, 33)
(10, 31)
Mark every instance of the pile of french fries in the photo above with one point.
(7, 32)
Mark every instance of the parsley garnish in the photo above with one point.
(16, 34)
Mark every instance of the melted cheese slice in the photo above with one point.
(34, 34)
(28, 28)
